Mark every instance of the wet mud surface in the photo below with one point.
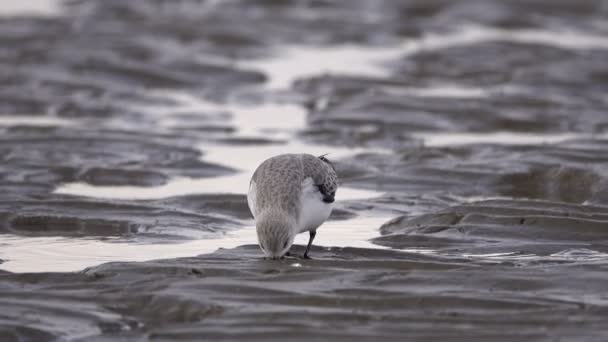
(369, 294)
(481, 126)
(539, 228)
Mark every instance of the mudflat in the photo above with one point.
(344, 293)
(470, 139)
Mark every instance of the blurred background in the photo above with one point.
(141, 122)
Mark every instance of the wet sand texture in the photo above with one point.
(527, 227)
(482, 125)
(182, 216)
(342, 294)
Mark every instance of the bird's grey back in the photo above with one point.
(279, 180)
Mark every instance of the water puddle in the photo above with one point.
(440, 91)
(238, 184)
(73, 254)
(242, 158)
(295, 62)
(34, 121)
(502, 138)
(570, 255)
(278, 122)
(472, 34)
(88, 252)
(266, 119)
(30, 7)
(257, 118)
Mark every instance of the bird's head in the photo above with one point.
(276, 231)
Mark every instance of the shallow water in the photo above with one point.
(32, 7)
(503, 138)
(75, 254)
(470, 139)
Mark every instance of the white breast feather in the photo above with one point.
(313, 211)
(251, 198)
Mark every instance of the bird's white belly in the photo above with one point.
(251, 199)
(313, 211)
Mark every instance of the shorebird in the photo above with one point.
(290, 194)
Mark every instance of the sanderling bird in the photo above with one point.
(290, 194)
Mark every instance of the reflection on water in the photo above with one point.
(442, 91)
(295, 62)
(582, 255)
(34, 121)
(30, 7)
(281, 120)
(237, 184)
(157, 112)
(432, 139)
(73, 254)
(472, 34)
(252, 118)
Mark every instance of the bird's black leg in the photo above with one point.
(312, 237)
